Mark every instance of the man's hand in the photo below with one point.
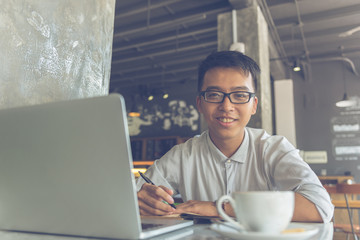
(151, 197)
(198, 207)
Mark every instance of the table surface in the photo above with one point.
(198, 231)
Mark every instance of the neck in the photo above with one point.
(228, 146)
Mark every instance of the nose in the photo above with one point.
(226, 105)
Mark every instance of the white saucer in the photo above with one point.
(232, 233)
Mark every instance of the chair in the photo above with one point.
(339, 200)
(350, 192)
(330, 188)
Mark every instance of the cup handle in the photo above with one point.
(224, 215)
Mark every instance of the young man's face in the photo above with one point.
(227, 120)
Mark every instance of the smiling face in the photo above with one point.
(227, 121)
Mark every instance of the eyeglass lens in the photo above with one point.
(235, 97)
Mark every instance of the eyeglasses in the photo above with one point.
(238, 97)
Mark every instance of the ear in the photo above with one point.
(198, 104)
(254, 106)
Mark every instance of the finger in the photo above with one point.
(168, 196)
(163, 199)
(161, 193)
(151, 197)
(148, 190)
(158, 204)
(146, 187)
(168, 190)
(148, 210)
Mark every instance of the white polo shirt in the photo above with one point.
(197, 170)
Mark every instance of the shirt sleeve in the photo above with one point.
(291, 172)
(163, 171)
(319, 196)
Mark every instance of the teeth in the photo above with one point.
(226, 120)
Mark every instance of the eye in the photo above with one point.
(213, 95)
(240, 95)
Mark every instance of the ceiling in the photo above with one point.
(159, 42)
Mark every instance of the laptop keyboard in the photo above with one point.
(147, 226)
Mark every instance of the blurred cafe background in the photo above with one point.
(309, 52)
(149, 50)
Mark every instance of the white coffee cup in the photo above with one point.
(262, 211)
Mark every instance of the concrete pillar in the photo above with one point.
(54, 50)
(252, 30)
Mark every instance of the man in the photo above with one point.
(229, 156)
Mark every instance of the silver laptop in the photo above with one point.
(65, 168)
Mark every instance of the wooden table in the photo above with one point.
(334, 179)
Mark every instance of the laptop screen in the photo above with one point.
(65, 168)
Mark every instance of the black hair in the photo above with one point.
(228, 59)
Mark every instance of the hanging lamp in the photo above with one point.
(133, 110)
(345, 101)
(296, 66)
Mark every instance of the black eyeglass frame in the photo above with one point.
(251, 95)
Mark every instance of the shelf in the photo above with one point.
(334, 179)
(142, 163)
(146, 150)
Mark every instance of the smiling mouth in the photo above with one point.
(226, 120)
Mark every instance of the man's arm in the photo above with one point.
(305, 210)
(203, 208)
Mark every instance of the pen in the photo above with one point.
(149, 181)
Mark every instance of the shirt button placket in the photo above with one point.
(227, 170)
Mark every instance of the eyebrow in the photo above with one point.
(232, 89)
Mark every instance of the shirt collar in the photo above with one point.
(214, 151)
(240, 154)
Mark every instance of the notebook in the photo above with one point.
(65, 168)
